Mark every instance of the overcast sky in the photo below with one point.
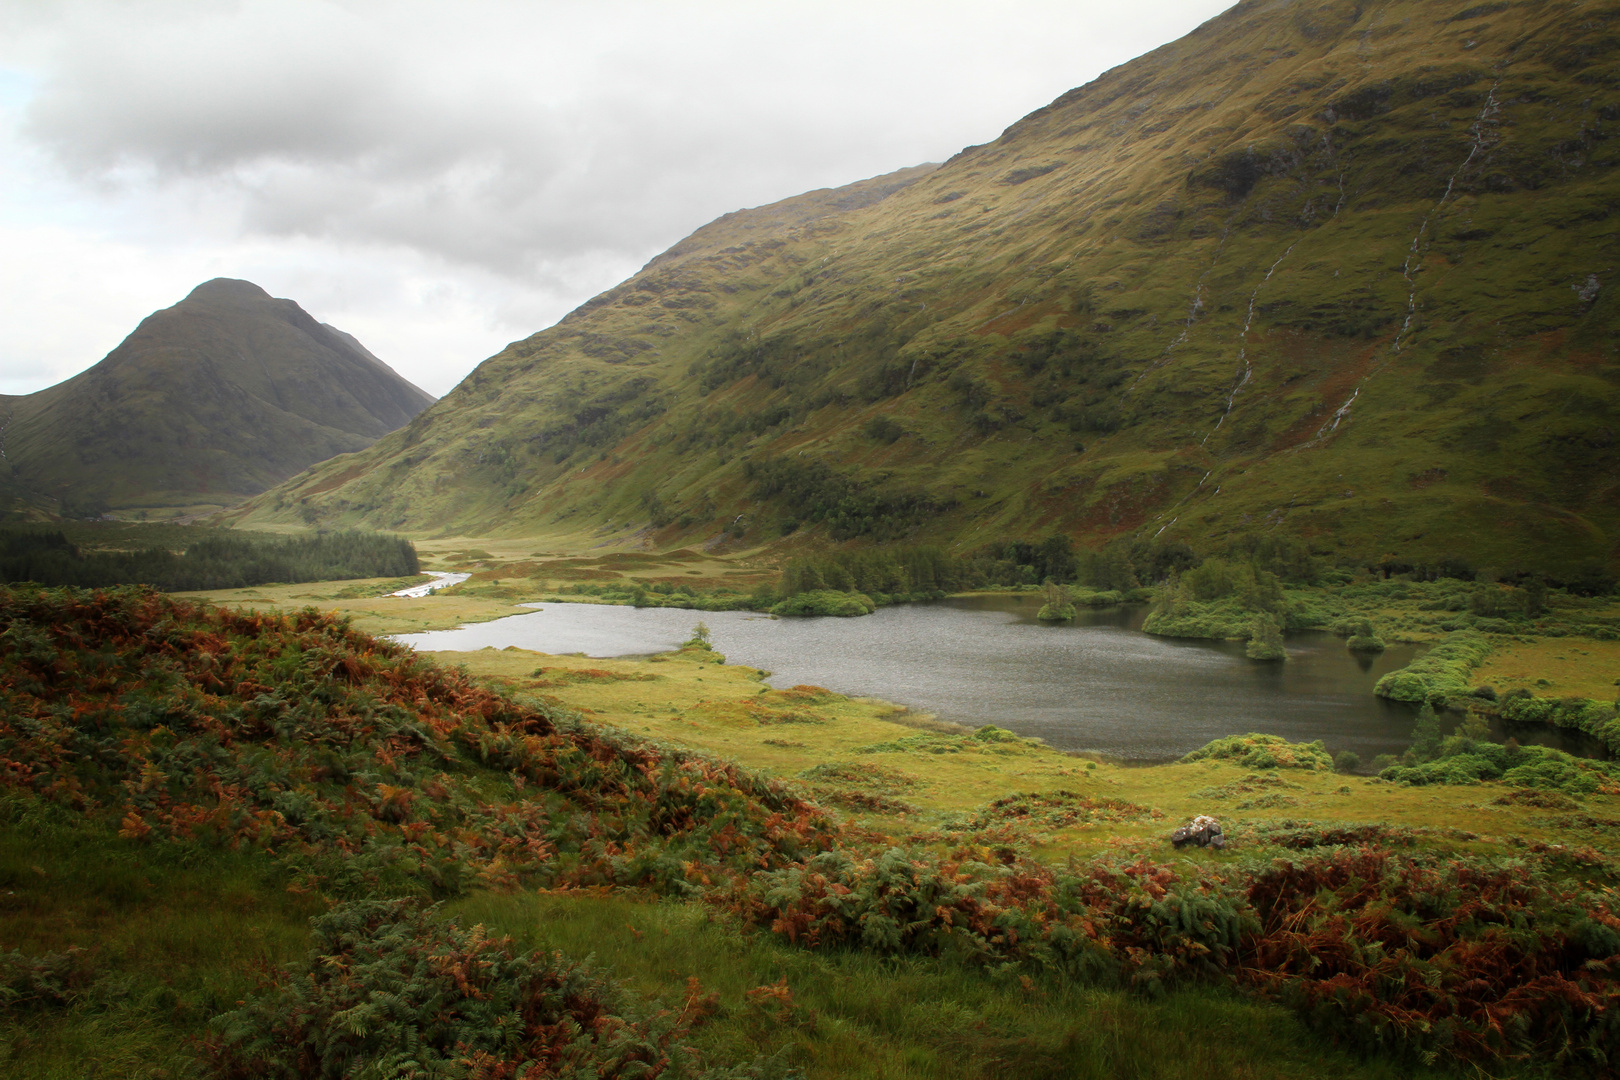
(441, 178)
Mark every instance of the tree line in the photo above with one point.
(915, 572)
(213, 562)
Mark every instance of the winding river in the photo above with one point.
(1098, 684)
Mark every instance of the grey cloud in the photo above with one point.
(489, 144)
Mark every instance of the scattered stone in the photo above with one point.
(1202, 830)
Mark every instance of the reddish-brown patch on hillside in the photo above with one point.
(1019, 318)
(507, 571)
(1545, 350)
(1309, 530)
(1124, 506)
(580, 573)
(1588, 358)
(1335, 389)
(337, 480)
(1511, 488)
(1427, 477)
(1063, 509)
(616, 467)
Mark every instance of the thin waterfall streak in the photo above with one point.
(1243, 344)
(1343, 410)
(1415, 252)
(1193, 311)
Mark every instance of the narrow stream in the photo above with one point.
(1099, 684)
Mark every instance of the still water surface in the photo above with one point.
(1099, 684)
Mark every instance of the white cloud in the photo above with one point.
(453, 176)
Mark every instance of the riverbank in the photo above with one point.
(913, 779)
(1092, 684)
(1402, 611)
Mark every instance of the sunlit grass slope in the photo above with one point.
(1341, 270)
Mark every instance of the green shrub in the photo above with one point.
(33, 981)
(1425, 736)
(1441, 672)
(1256, 751)
(1594, 718)
(1363, 639)
(1346, 761)
(1222, 620)
(390, 990)
(1467, 761)
(1059, 605)
(826, 602)
(1265, 639)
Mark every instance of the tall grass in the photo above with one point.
(850, 1014)
(160, 939)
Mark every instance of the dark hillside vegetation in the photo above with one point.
(214, 561)
(1341, 272)
(350, 768)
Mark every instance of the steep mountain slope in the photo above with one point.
(1343, 270)
(216, 398)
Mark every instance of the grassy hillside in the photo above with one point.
(216, 398)
(1342, 270)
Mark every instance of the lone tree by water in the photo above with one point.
(1425, 737)
(1265, 639)
(1364, 639)
(1059, 604)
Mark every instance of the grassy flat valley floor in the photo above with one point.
(908, 777)
(505, 573)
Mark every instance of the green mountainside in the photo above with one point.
(1343, 271)
(216, 398)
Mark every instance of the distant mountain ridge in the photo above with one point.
(207, 402)
(1340, 270)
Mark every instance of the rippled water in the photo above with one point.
(1098, 684)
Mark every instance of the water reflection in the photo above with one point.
(1098, 684)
